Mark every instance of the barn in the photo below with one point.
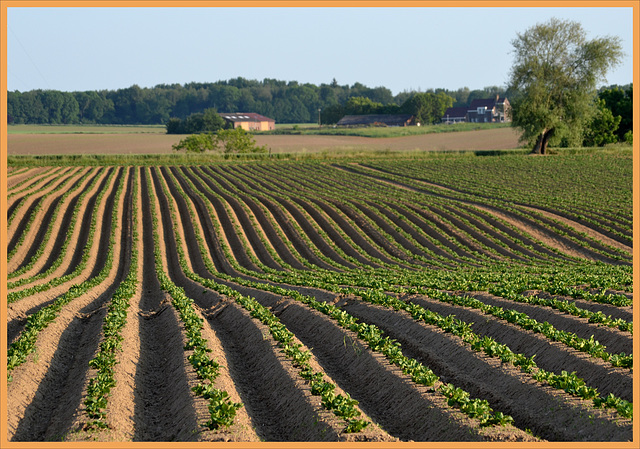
(455, 115)
(249, 121)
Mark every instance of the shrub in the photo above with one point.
(225, 140)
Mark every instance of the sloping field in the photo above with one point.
(409, 299)
(46, 144)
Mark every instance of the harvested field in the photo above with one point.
(370, 300)
(48, 144)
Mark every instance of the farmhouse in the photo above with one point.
(250, 121)
(481, 110)
(377, 120)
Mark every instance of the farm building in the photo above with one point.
(250, 121)
(455, 115)
(377, 120)
(481, 110)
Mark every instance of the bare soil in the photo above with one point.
(42, 144)
(153, 400)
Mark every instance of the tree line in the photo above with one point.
(286, 102)
(185, 109)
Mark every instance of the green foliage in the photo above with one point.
(428, 108)
(200, 122)
(221, 409)
(171, 105)
(361, 106)
(553, 81)
(603, 127)
(619, 100)
(226, 141)
(197, 143)
(238, 141)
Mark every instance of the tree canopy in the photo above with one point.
(284, 101)
(207, 121)
(553, 81)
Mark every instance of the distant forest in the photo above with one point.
(286, 102)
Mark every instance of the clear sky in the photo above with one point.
(78, 49)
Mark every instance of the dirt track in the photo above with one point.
(35, 144)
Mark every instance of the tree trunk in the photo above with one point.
(538, 145)
(545, 140)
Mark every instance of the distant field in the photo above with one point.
(384, 131)
(154, 143)
(86, 129)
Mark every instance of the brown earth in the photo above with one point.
(153, 400)
(43, 144)
(541, 233)
(46, 394)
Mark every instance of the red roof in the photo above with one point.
(245, 117)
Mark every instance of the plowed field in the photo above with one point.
(452, 298)
(49, 144)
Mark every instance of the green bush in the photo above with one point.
(236, 141)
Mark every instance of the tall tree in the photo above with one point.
(620, 102)
(553, 80)
(427, 107)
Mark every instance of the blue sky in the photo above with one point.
(77, 49)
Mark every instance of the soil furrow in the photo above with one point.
(313, 235)
(333, 234)
(370, 210)
(248, 230)
(15, 230)
(481, 235)
(60, 229)
(515, 236)
(547, 412)
(163, 403)
(284, 221)
(537, 230)
(404, 409)
(40, 183)
(599, 251)
(268, 226)
(615, 340)
(355, 215)
(19, 311)
(16, 175)
(599, 232)
(27, 251)
(294, 214)
(625, 313)
(280, 405)
(50, 390)
(353, 233)
(226, 223)
(549, 355)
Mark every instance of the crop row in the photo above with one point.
(26, 343)
(588, 345)
(391, 256)
(475, 408)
